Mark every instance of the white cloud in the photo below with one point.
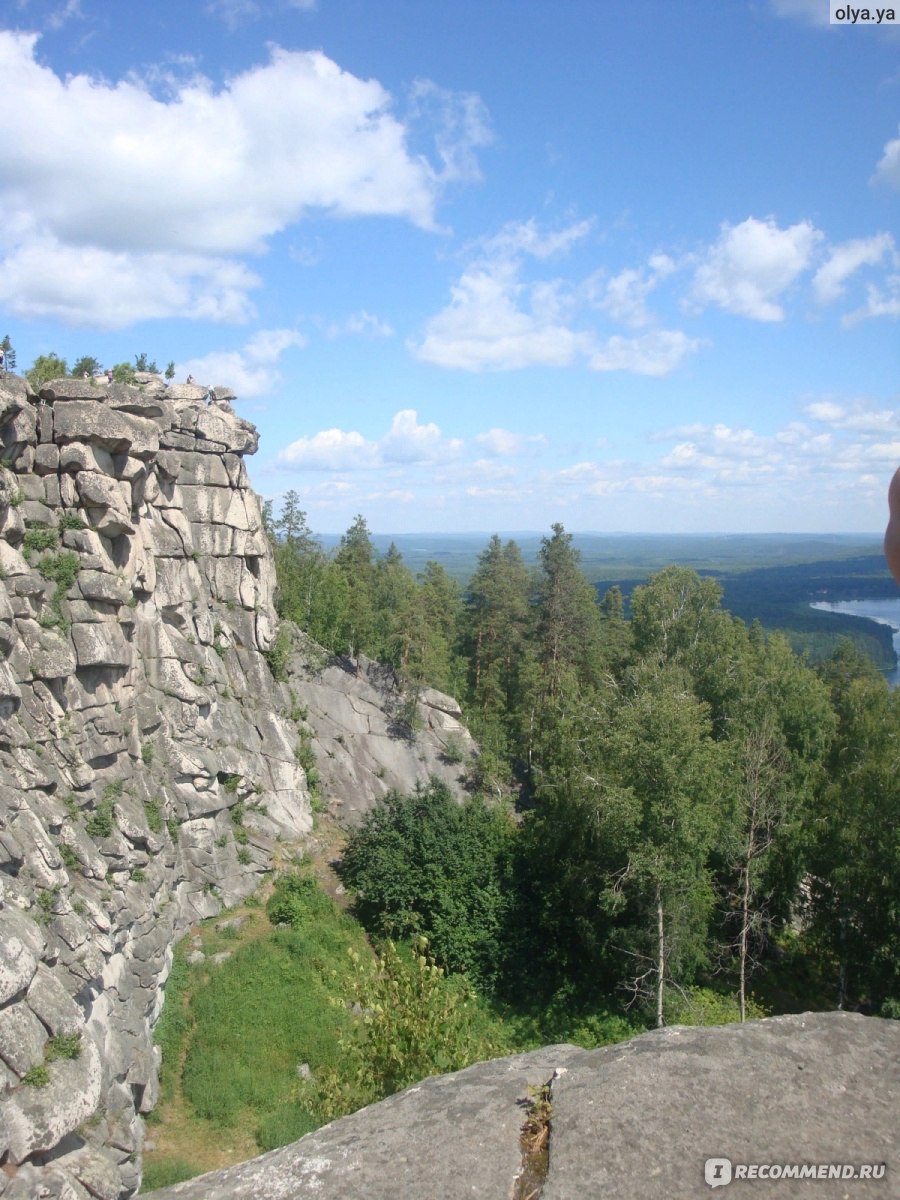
(61, 16)
(404, 444)
(91, 286)
(495, 321)
(501, 443)
(206, 172)
(250, 371)
(461, 126)
(519, 238)
(625, 295)
(657, 353)
(858, 417)
(501, 319)
(888, 169)
(751, 265)
(363, 323)
(880, 302)
(330, 450)
(845, 259)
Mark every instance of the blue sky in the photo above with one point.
(484, 265)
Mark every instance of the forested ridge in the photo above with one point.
(668, 810)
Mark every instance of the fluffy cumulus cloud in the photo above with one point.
(505, 315)
(122, 184)
(625, 294)
(751, 265)
(495, 321)
(250, 371)
(406, 443)
(825, 467)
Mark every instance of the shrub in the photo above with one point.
(279, 654)
(71, 521)
(424, 864)
(153, 813)
(415, 1022)
(454, 749)
(64, 1045)
(68, 855)
(37, 1077)
(39, 537)
(101, 823)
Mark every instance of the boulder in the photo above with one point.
(640, 1119)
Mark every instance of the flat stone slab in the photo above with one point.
(642, 1118)
(450, 1136)
(630, 1122)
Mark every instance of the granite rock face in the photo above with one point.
(363, 748)
(637, 1120)
(139, 727)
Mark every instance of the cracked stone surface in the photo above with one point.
(629, 1122)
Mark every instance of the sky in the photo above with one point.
(480, 265)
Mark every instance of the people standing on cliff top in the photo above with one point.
(2, 360)
(190, 379)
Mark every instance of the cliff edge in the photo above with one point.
(636, 1121)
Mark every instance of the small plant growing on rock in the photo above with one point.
(71, 521)
(243, 856)
(68, 855)
(64, 1045)
(38, 1077)
(101, 823)
(38, 538)
(454, 750)
(154, 816)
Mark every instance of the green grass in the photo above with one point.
(267, 1010)
(257, 1016)
(164, 1172)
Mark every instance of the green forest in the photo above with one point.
(668, 808)
(672, 818)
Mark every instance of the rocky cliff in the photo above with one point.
(145, 771)
(148, 760)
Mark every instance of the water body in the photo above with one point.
(885, 612)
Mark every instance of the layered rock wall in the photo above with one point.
(145, 771)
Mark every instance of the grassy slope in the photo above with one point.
(234, 1034)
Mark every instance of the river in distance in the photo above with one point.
(885, 612)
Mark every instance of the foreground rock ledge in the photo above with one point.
(634, 1121)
